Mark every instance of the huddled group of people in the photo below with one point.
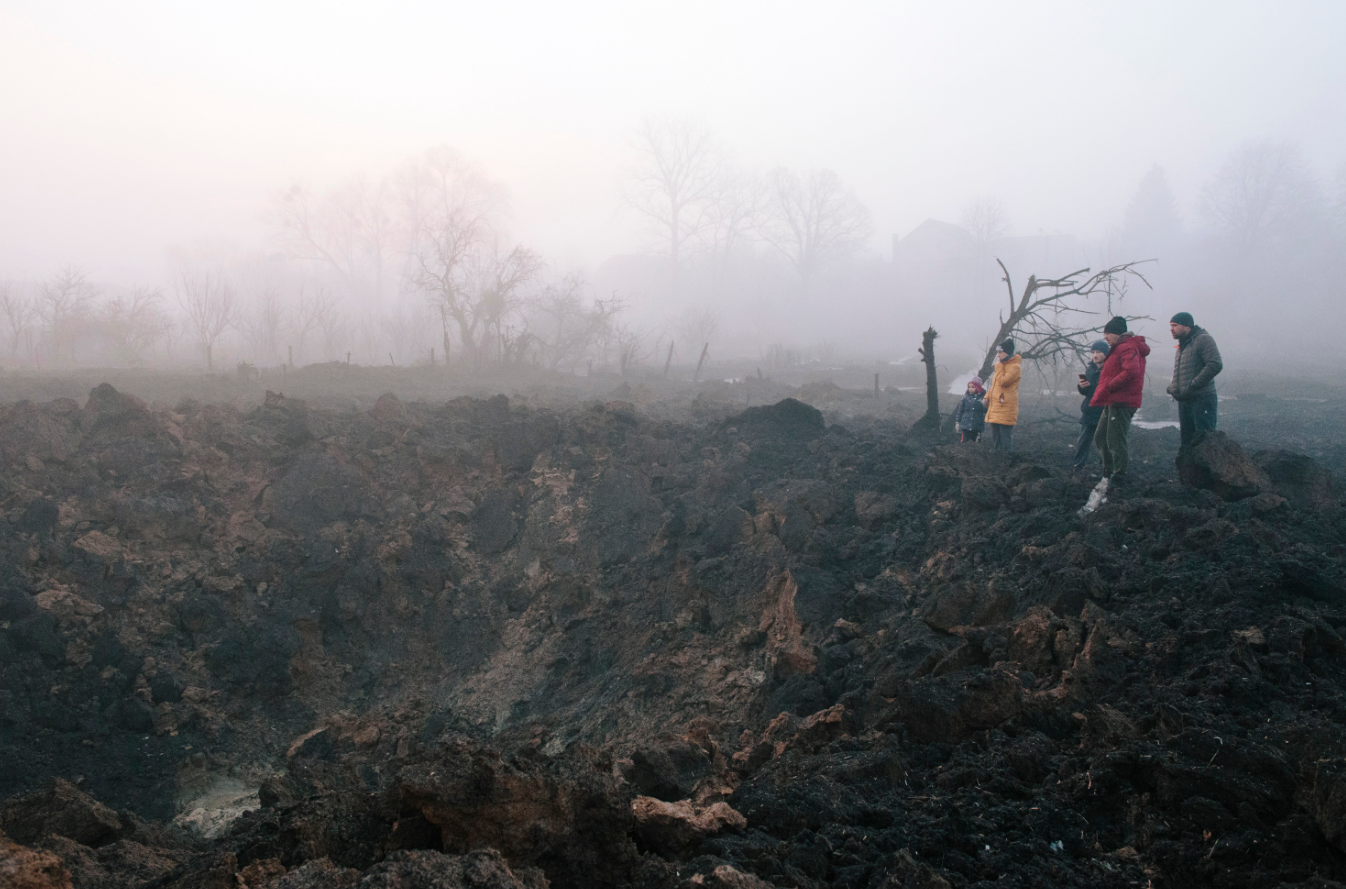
(1112, 385)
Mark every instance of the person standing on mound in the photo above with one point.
(1098, 353)
(1121, 384)
(1002, 399)
(1194, 369)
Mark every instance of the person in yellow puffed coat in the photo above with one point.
(1002, 397)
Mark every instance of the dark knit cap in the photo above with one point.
(1116, 326)
(1008, 346)
(1100, 346)
(1183, 318)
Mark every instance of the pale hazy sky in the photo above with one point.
(129, 126)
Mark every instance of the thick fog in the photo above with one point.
(201, 186)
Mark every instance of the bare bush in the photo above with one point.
(208, 300)
(567, 327)
(62, 298)
(135, 323)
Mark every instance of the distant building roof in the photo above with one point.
(933, 241)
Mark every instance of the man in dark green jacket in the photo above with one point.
(1194, 369)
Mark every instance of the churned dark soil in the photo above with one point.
(704, 637)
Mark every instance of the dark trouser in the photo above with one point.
(1082, 446)
(1002, 437)
(1197, 416)
(1111, 438)
(967, 436)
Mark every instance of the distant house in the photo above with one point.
(935, 260)
(932, 243)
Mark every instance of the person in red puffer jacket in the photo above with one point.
(1121, 383)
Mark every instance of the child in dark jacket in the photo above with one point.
(1098, 353)
(969, 418)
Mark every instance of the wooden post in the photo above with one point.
(291, 353)
(668, 361)
(696, 377)
(392, 360)
(348, 358)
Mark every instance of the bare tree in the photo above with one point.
(64, 296)
(316, 301)
(1053, 317)
(18, 313)
(1262, 197)
(735, 217)
(495, 295)
(207, 298)
(565, 327)
(697, 326)
(814, 220)
(350, 230)
(135, 322)
(263, 323)
(987, 219)
(675, 184)
(1152, 219)
(458, 259)
(335, 329)
(631, 346)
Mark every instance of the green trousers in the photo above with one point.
(1114, 427)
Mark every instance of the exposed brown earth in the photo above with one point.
(659, 641)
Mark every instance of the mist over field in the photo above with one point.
(584, 188)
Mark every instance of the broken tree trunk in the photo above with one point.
(931, 420)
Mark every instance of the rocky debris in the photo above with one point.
(434, 870)
(1299, 478)
(897, 668)
(61, 809)
(320, 873)
(387, 408)
(1215, 462)
(907, 873)
(1325, 798)
(872, 509)
(728, 877)
(477, 798)
(670, 828)
(24, 868)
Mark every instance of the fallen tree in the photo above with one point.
(1048, 319)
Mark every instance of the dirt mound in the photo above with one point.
(789, 418)
(486, 643)
(1216, 463)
